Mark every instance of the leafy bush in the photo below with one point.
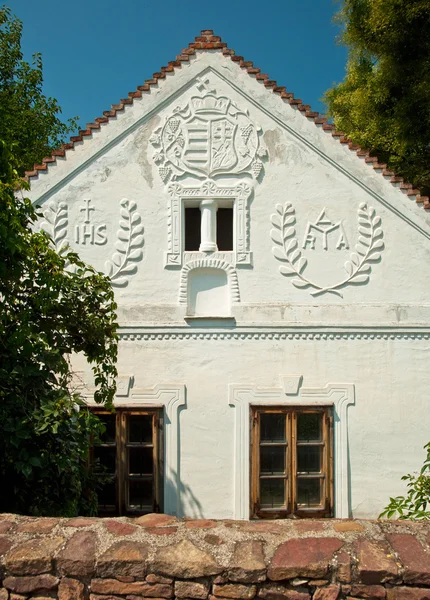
(415, 505)
(51, 306)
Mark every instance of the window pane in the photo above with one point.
(309, 459)
(106, 494)
(106, 457)
(272, 427)
(272, 493)
(140, 428)
(140, 494)
(109, 422)
(309, 492)
(192, 228)
(272, 460)
(224, 229)
(140, 461)
(309, 427)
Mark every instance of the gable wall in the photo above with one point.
(374, 337)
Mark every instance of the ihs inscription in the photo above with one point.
(88, 232)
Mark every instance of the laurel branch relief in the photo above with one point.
(359, 266)
(128, 246)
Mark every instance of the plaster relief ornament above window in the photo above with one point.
(127, 250)
(318, 236)
(209, 136)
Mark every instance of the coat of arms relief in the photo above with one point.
(208, 148)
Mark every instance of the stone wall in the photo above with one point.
(158, 556)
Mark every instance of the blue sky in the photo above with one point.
(95, 52)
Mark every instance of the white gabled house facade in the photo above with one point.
(272, 285)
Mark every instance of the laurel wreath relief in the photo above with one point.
(128, 247)
(358, 267)
(56, 216)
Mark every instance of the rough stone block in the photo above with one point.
(5, 545)
(6, 526)
(415, 560)
(81, 522)
(191, 589)
(200, 524)
(375, 563)
(119, 527)
(152, 578)
(79, 555)
(33, 556)
(331, 592)
(141, 588)
(71, 589)
(41, 526)
(168, 530)
(408, 593)
(247, 564)
(155, 520)
(27, 585)
(271, 591)
(372, 592)
(345, 526)
(184, 561)
(343, 571)
(234, 590)
(213, 540)
(306, 557)
(4, 594)
(123, 558)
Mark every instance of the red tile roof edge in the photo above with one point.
(208, 41)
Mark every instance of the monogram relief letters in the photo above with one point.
(323, 235)
(87, 232)
(200, 144)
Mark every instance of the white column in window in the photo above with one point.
(208, 209)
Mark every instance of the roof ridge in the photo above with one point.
(208, 41)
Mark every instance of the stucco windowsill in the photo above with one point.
(213, 319)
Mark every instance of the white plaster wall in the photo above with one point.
(306, 167)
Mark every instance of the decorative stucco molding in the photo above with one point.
(171, 397)
(239, 194)
(144, 334)
(241, 397)
(211, 263)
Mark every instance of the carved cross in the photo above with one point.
(87, 209)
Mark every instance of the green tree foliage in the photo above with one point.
(415, 506)
(51, 306)
(28, 119)
(383, 104)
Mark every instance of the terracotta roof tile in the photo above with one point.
(208, 41)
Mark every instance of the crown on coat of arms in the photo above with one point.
(210, 104)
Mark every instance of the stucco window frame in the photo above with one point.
(171, 398)
(238, 196)
(338, 395)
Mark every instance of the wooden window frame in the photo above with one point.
(122, 475)
(292, 509)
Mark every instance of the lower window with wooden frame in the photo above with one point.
(291, 462)
(129, 460)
